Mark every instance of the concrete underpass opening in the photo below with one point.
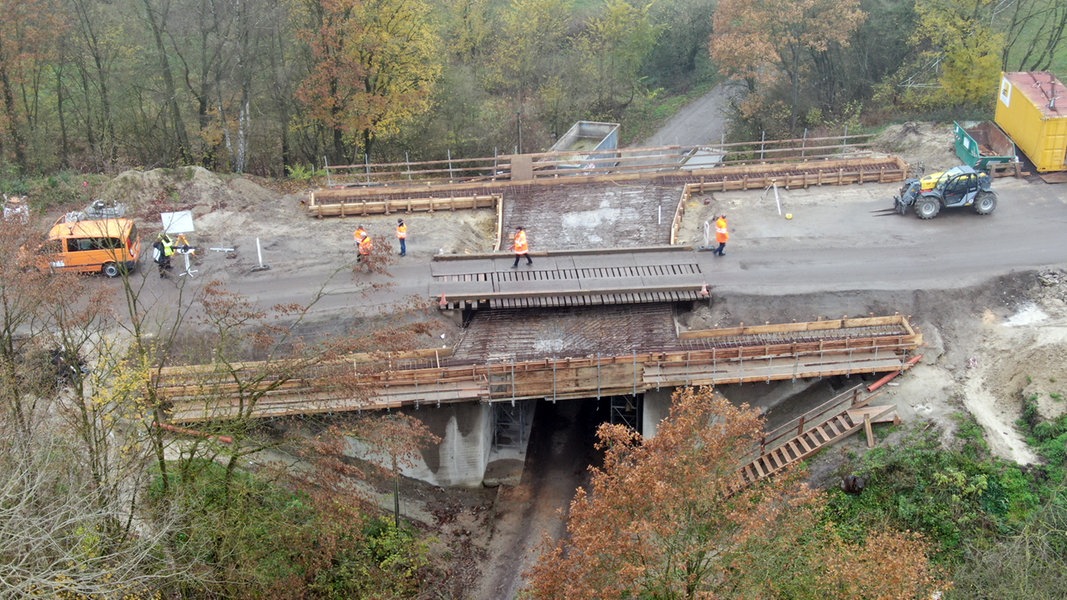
(528, 433)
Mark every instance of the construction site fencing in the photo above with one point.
(419, 185)
(577, 162)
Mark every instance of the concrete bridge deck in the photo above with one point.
(735, 355)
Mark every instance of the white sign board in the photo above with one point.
(178, 222)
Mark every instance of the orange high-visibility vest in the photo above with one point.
(721, 235)
(520, 243)
(365, 245)
(401, 232)
(359, 234)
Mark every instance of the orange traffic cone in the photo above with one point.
(442, 303)
(703, 293)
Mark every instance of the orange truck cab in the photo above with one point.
(108, 246)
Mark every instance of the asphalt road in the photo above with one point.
(833, 243)
(700, 122)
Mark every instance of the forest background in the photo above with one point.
(273, 87)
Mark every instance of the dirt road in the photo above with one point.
(700, 122)
(558, 455)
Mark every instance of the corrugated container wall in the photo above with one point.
(1032, 109)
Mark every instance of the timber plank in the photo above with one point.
(773, 459)
(759, 470)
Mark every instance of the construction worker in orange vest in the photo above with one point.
(721, 235)
(364, 245)
(365, 248)
(402, 235)
(521, 248)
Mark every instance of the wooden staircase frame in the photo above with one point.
(798, 439)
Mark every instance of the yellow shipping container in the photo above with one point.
(1029, 110)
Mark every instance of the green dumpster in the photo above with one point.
(981, 144)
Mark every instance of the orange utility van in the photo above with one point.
(108, 246)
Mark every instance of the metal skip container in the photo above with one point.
(981, 144)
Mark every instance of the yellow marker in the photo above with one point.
(788, 215)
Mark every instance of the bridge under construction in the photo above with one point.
(486, 394)
(577, 324)
(744, 354)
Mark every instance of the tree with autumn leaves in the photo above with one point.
(375, 66)
(30, 34)
(787, 45)
(666, 517)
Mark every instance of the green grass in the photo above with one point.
(262, 536)
(958, 496)
(66, 190)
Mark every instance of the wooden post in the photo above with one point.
(867, 429)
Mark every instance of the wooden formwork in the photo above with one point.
(823, 325)
(452, 195)
(201, 393)
(802, 175)
(789, 176)
(341, 203)
(561, 164)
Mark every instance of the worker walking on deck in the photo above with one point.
(402, 236)
(522, 249)
(721, 235)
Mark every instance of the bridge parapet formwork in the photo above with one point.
(201, 393)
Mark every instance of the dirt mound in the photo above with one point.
(926, 147)
(1035, 365)
(147, 193)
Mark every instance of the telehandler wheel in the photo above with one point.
(927, 208)
(985, 203)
